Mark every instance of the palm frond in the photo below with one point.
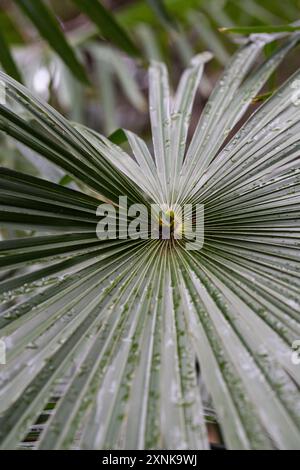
(127, 320)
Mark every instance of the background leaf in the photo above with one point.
(7, 60)
(107, 25)
(161, 11)
(47, 25)
(261, 29)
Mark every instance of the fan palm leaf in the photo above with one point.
(126, 321)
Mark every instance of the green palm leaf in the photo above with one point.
(261, 29)
(45, 22)
(123, 322)
(107, 25)
(7, 60)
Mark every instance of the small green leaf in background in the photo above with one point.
(261, 29)
(65, 180)
(47, 25)
(269, 50)
(263, 97)
(107, 25)
(7, 60)
(160, 10)
(118, 137)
